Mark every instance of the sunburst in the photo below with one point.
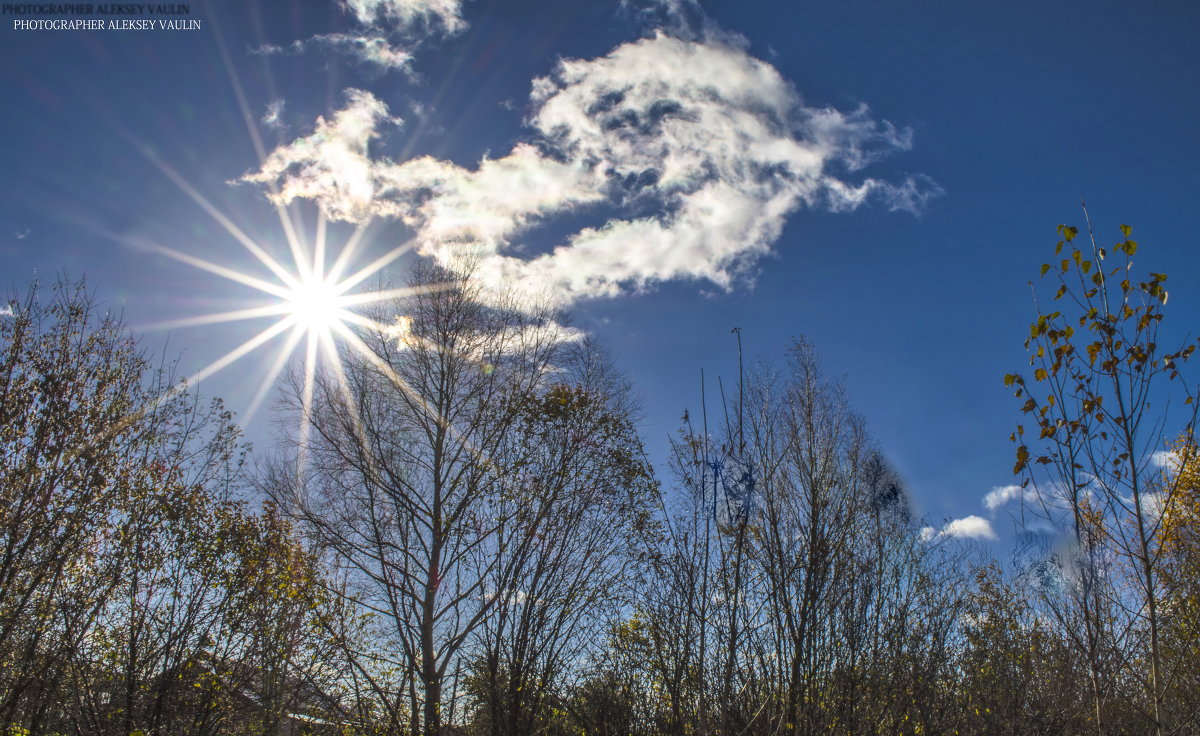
(311, 300)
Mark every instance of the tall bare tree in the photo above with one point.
(444, 466)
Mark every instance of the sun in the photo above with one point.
(313, 297)
(316, 304)
(313, 304)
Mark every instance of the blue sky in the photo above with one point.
(880, 177)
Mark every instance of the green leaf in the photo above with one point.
(1069, 233)
(1126, 230)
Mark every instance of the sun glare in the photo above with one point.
(313, 303)
(310, 301)
(316, 304)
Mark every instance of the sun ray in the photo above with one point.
(290, 231)
(375, 266)
(239, 93)
(293, 240)
(217, 317)
(368, 297)
(343, 259)
(306, 397)
(365, 350)
(242, 349)
(371, 357)
(268, 382)
(229, 273)
(220, 217)
(319, 249)
(356, 422)
(315, 302)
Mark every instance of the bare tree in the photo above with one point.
(573, 570)
(447, 469)
(792, 591)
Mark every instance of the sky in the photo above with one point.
(882, 178)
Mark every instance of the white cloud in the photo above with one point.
(369, 48)
(710, 147)
(379, 24)
(7, 311)
(1153, 505)
(272, 118)
(430, 15)
(969, 527)
(331, 164)
(1164, 459)
(1000, 495)
(372, 49)
(684, 18)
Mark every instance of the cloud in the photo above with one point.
(1044, 498)
(684, 18)
(1153, 505)
(272, 118)
(699, 151)
(1000, 495)
(1164, 460)
(23, 233)
(375, 50)
(7, 311)
(331, 164)
(969, 527)
(369, 48)
(431, 16)
(387, 32)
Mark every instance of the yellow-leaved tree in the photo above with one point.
(1180, 546)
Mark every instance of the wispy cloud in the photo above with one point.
(7, 311)
(683, 18)
(431, 16)
(369, 48)
(1001, 495)
(715, 145)
(387, 32)
(272, 118)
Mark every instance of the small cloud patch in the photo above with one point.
(969, 527)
